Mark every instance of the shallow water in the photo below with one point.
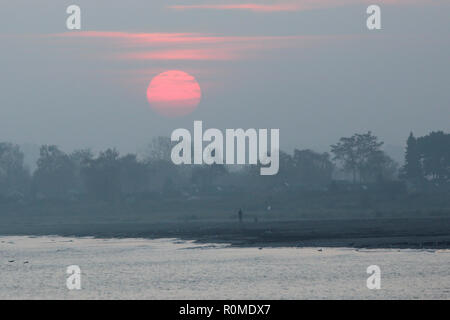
(35, 267)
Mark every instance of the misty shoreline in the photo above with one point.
(413, 233)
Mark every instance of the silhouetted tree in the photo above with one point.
(435, 153)
(134, 175)
(379, 167)
(14, 177)
(286, 175)
(79, 159)
(305, 167)
(102, 176)
(356, 152)
(412, 169)
(55, 174)
(312, 168)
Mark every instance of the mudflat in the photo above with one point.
(367, 233)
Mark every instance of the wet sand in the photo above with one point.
(359, 233)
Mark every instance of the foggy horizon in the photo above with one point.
(231, 155)
(273, 71)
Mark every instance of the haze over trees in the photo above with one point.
(427, 160)
(366, 173)
(14, 177)
(361, 155)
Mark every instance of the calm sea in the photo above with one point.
(35, 267)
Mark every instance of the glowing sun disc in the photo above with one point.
(174, 93)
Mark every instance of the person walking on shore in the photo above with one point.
(240, 214)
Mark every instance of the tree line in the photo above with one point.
(109, 176)
(427, 160)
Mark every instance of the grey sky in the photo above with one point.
(316, 74)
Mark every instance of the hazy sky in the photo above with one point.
(310, 68)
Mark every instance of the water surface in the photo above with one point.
(35, 267)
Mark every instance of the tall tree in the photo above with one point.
(102, 176)
(312, 168)
(79, 159)
(55, 173)
(435, 152)
(134, 175)
(379, 167)
(14, 177)
(356, 152)
(412, 169)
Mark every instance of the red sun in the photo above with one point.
(174, 93)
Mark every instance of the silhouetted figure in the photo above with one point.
(240, 215)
